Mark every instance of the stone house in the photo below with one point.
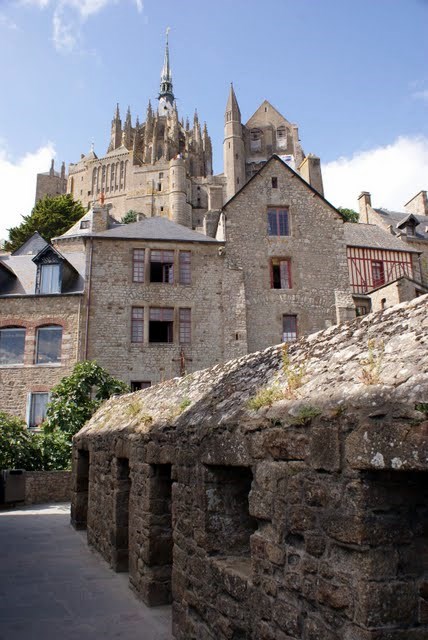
(41, 324)
(302, 516)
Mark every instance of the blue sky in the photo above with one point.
(353, 75)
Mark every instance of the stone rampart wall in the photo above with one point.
(47, 486)
(281, 496)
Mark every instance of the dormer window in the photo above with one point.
(410, 230)
(85, 224)
(50, 278)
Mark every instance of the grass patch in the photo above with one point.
(265, 397)
(371, 366)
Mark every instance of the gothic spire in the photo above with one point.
(166, 95)
(232, 106)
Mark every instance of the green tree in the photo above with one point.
(349, 214)
(130, 216)
(51, 217)
(23, 449)
(78, 396)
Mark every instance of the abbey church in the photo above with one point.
(163, 167)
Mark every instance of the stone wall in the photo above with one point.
(281, 496)
(47, 486)
(315, 248)
(113, 294)
(30, 312)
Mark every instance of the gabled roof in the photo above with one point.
(410, 218)
(371, 236)
(394, 218)
(419, 285)
(261, 110)
(48, 248)
(277, 158)
(32, 246)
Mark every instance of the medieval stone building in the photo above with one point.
(163, 166)
(281, 496)
(51, 183)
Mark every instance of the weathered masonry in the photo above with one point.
(280, 496)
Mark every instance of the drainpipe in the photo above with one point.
(88, 304)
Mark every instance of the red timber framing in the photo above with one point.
(365, 270)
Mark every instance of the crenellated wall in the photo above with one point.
(280, 496)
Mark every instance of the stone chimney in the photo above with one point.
(310, 170)
(365, 202)
(99, 217)
(418, 204)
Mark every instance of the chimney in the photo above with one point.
(365, 202)
(99, 217)
(418, 205)
(310, 170)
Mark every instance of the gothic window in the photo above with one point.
(280, 273)
(48, 344)
(112, 174)
(185, 267)
(12, 344)
(185, 326)
(161, 324)
(162, 266)
(122, 174)
(281, 137)
(289, 328)
(256, 136)
(278, 223)
(137, 324)
(138, 265)
(37, 408)
(103, 179)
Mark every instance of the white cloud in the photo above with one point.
(7, 23)
(421, 95)
(393, 174)
(68, 17)
(18, 183)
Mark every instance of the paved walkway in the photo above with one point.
(52, 587)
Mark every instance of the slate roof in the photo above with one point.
(394, 218)
(25, 271)
(32, 246)
(371, 236)
(156, 228)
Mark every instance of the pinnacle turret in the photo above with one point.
(232, 108)
(166, 95)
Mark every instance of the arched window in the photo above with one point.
(281, 137)
(94, 180)
(256, 136)
(103, 179)
(12, 345)
(71, 186)
(48, 344)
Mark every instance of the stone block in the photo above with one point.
(325, 447)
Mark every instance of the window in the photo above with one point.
(12, 344)
(162, 266)
(360, 310)
(137, 324)
(278, 222)
(161, 324)
(185, 326)
(138, 265)
(50, 278)
(37, 409)
(274, 183)
(48, 344)
(160, 186)
(160, 174)
(185, 265)
(137, 385)
(280, 275)
(378, 273)
(85, 223)
(281, 137)
(256, 140)
(289, 328)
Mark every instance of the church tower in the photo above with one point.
(233, 147)
(166, 95)
(116, 131)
